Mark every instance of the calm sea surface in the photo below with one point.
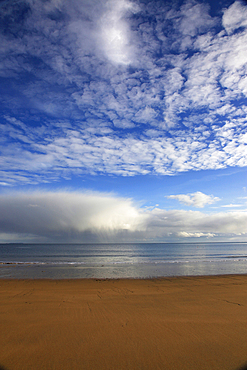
(137, 260)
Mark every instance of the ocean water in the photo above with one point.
(107, 261)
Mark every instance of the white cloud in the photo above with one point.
(115, 34)
(58, 151)
(234, 17)
(166, 113)
(195, 18)
(185, 234)
(197, 199)
(74, 216)
(232, 205)
(163, 223)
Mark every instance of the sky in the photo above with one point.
(123, 121)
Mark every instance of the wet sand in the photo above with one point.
(169, 323)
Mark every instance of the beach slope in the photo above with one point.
(169, 323)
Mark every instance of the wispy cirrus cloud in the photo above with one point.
(60, 150)
(121, 88)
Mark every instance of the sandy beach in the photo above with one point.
(169, 323)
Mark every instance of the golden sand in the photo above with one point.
(177, 323)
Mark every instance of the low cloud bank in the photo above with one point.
(67, 216)
(95, 217)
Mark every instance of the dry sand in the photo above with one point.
(177, 323)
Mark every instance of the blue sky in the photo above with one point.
(123, 121)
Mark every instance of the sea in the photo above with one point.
(119, 260)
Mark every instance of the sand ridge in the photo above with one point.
(169, 323)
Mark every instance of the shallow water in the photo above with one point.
(137, 260)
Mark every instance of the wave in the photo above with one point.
(102, 263)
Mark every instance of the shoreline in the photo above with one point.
(179, 322)
(122, 271)
(126, 278)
